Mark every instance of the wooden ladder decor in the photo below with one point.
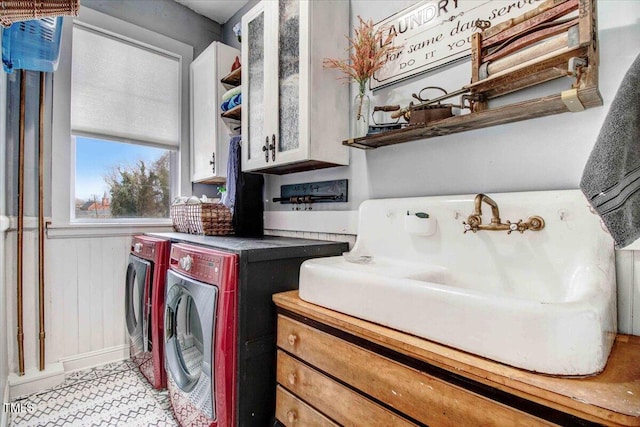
(557, 39)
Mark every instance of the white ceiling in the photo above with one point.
(217, 10)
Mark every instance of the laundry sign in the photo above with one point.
(434, 33)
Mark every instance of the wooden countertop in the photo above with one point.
(611, 397)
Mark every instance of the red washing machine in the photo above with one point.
(145, 291)
(201, 335)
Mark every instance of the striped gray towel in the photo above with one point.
(233, 171)
(611, 177)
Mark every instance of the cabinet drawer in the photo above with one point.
(291, 411)
(342, 404)
(420, 396)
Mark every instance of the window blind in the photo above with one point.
(124, 90)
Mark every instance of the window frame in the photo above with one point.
(62, 143)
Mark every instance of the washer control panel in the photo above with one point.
(203, 264)
(143, 248)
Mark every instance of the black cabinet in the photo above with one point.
(267, 265)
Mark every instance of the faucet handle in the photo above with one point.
(516, 226)
(472, 223)
(534, 223)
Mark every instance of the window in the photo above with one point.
(119, 180)
(120, 126)
(122, 91)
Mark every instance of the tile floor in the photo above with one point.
(116, 394)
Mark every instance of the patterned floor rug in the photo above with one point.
(116, 394)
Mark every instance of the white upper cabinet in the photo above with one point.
(295, 113)
(210, 133)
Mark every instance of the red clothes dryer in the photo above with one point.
(201, 335)
(144, 299)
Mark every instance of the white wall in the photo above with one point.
(185, 25)
(540, 154)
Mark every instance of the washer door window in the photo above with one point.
(138, 278)
(189, 333)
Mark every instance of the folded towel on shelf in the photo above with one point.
(232, 102)
(611, 177)
(235, 101)
(231, 92)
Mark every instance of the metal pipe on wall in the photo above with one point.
(23, 79)
(41, 221)
(4, 226)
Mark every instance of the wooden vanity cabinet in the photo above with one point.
(334, 369)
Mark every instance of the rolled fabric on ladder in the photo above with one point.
(534, 53)
(23, 10)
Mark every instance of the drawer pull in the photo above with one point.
(292, 339)
(292, 416)
(292, 378)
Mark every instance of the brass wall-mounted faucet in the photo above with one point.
(474, 221)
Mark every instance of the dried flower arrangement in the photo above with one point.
(369, 49)
(368, 54)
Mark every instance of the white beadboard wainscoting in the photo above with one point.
(335, 226)
(332, 237)
(628, 278)
(84, 305)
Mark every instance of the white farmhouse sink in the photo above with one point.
(542, 300)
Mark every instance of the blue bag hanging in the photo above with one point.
(32, 45)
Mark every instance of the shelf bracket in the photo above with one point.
(571, 100)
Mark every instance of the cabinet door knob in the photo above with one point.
(292, 378)
(273, 147)
(292, 416)
(292, 339)
(265, 148)
(212, 162)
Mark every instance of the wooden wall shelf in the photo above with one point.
(530, 109)
(233, 78)
(528, 66)
(235, 113)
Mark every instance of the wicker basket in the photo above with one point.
(190, 215)
(178, 215)
(23, 10)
